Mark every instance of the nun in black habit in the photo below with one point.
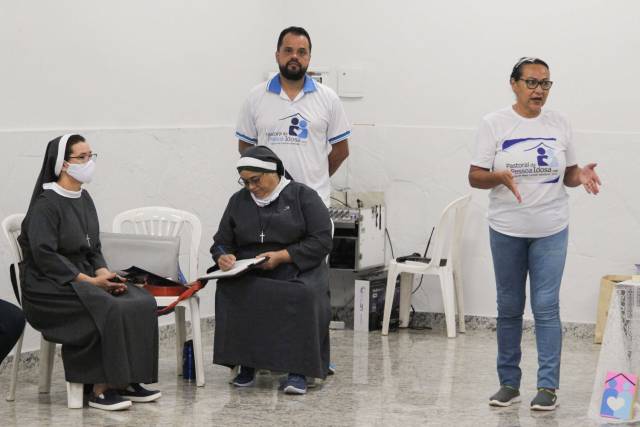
(108, 331)
(276, 317)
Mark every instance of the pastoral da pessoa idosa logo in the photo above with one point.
(295, 130)
(532, 160)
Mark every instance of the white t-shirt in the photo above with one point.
(300, 132)
(537, 151)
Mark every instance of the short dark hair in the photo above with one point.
(73, 140)
(516, 73)
(299, 31)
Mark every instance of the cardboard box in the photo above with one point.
(607, 283)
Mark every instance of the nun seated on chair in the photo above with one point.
(108, 331)
(275, 317)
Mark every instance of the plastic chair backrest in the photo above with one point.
(448, 232)
(11, 227)
(163, 221)
(161, 255)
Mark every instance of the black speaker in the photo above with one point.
(377, 296)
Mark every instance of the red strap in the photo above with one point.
(193, 288)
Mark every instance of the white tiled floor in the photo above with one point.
(408, 378)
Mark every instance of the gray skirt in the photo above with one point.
(105, 338)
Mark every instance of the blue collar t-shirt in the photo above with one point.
(300, 131)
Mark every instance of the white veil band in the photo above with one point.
(62, 148)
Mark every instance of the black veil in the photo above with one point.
(51, 166)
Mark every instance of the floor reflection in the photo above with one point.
(407, 378)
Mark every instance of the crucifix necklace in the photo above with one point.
(84, 224)
(264, 227)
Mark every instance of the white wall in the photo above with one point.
(150, 63)
(156, 86)
(433, 69)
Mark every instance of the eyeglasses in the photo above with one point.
(255, 180)
(534, 83)
(85, 157)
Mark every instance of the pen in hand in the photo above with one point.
(225, 261)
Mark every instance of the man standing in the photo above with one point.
(301, 120)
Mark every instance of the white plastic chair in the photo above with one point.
(164, 221)
(446, 245)
(11, 229)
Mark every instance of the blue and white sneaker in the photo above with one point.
(246, 377)
(295, 384)
(332, 369)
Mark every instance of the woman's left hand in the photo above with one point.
(590, 179)
(114, 279)
(275, 259)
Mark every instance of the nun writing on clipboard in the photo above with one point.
(277, 315)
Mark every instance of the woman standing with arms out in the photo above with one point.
(525, 155)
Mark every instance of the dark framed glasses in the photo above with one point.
(534, 83)
(254, 180)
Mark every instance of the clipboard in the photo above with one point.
(160, 286)
(241, 266)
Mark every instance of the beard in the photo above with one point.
(292, 75)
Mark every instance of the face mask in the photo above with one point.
(82, 172)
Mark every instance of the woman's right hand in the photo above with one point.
(485, 179)
(226, 262)
(506, 178)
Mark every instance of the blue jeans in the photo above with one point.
(543, 259)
